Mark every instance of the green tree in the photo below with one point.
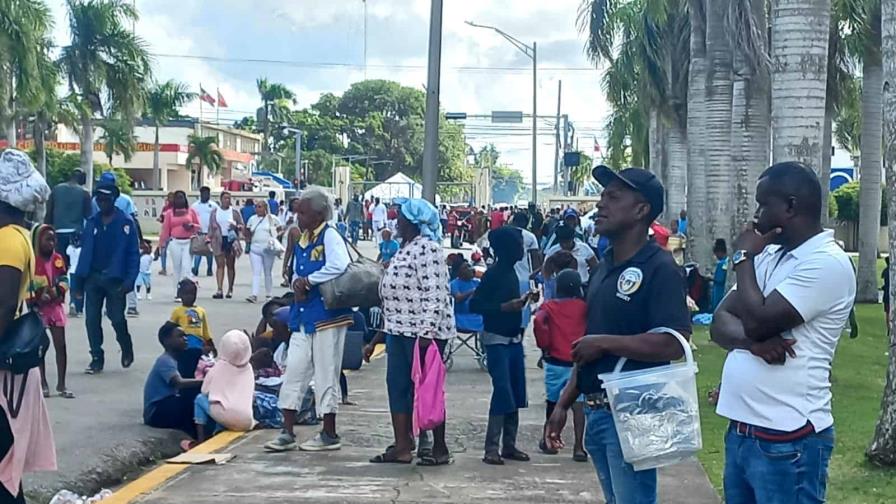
(162, 103)
(61, 164)
(118, 138)
(204, 151)
(25, 27)
(276, 100)
(106, 65)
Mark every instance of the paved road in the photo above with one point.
(100, 437)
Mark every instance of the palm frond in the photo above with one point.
(595, 19)
(747, 36)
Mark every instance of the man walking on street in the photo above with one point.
(107, 270)
(203, 208)
(354, 213)
(636, 301)
(67, 209)
(781, 324)
(380, 215)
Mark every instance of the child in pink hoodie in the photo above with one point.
(228, 389)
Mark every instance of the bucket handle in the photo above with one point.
(688, 354)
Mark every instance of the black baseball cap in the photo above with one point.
(639, 180)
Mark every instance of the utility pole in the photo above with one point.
(565, 150)
(557, 138)
(365, 39)
(431, 123)
(534, 123)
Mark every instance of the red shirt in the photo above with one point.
(660, 234)
(497, 218)
(558, 324)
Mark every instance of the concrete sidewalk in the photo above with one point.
(346, 476)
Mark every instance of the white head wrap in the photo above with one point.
(21, 186)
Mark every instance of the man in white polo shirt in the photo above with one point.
(203, 208)
(781, 323)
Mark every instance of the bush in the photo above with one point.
(61, 164)
(847, 200)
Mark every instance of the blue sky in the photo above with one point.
(325, 40)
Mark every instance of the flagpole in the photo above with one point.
(200, 109)
(218, 107)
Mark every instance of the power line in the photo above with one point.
(343, 65)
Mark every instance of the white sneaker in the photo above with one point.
(139, 296)
(321, 442)
(148, 296)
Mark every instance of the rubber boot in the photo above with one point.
(493, 440)
(511, 427)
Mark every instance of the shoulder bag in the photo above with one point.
(274, 245)
(22, 348)
(357, 286)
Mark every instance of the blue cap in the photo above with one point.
(107, 178)
(570, 212)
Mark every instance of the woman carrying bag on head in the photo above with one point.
(26, 439)
(261, 235)
(418, 317)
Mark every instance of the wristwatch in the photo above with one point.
(739, 257)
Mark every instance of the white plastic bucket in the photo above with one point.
(656, 410)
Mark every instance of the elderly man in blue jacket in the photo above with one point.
(107, 269)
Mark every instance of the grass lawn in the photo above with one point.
(858, 381)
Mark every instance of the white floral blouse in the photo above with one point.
(415, 293)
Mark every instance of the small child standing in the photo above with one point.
(559, 323)
(49, 285)
(227, 390)
(499, 302)
(144, 277)
(194, 322)
(73, 251)
(720, 275)
(388, 248)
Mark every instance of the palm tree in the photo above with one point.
(882, 449)
(872, 135)
(748, 25)
(719, 176)
(118, 138)
(276, 99)
(162, 103)
(800, 52)
(105, 64)
(699, 238)
(204, 151)
(25, 27)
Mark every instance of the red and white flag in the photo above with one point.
(596, 146)
(221, 101)
(204, 96)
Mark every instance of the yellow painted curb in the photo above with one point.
(158, 476)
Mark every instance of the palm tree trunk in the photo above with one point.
(656, 144)
(87, 148)
(882, 449)
(825, 175)
(799, 79)
(869, 183)
(699, 239)
(719, 176)
(40, 132)
(750, 121)
(156, 164)
(676, 170)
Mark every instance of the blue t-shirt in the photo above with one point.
(247, 212)
(388, 249)
(158, 384)
(463, 318)
(273, 206)
(683, 226)
(123, 203)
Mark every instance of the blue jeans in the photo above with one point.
(620, 482)
(794, 472)
(75, 284)
(355, 229)
(201, 413)
(507, 368)
(197, 261)
(97, 292)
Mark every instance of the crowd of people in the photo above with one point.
(614, 289)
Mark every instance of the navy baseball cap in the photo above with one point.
(638, 179)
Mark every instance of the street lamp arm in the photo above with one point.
(520, 45)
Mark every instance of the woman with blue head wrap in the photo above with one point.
(416, 309)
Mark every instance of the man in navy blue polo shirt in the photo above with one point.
(635, 297)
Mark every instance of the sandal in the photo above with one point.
(580, 456)
(229, 295)
(546, 449)
(388, 457)
(252, 299)
(46, 391)
(66, 394)
(218, 295)
(432, 461)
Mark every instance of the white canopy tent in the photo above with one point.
(397, 186)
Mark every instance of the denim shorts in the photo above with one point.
(555, 379)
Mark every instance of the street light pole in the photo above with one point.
(431, 124)
(532, 53)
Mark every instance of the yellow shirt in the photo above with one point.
(16, 252)
(193, 320)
